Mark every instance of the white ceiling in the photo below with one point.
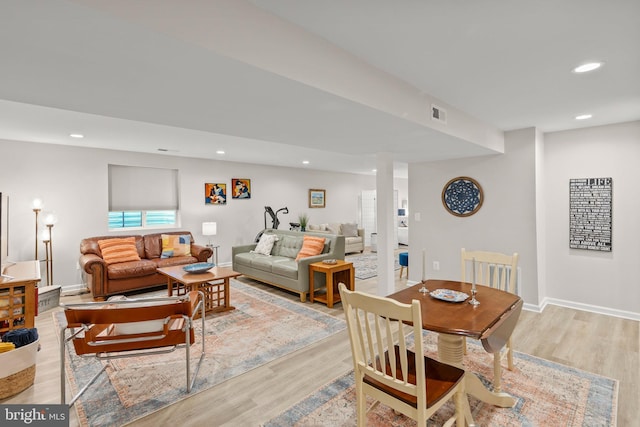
(144, 75)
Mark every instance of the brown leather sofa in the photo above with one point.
(104, 280)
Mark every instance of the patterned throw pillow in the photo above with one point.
(121, 249)
(265, 244)
(311, 246)
(175, 245)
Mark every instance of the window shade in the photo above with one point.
(133, 188)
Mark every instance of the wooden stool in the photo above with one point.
(403, 257)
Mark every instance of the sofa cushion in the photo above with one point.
(285, 267)
(119, 250)
(244, 258)
(126, 270)
(262, 262)
(311, 246)
(352, 240)
(350, 230)
(265, 244)
(334, 228)
(175, 245)
(288, 246)
(175, 260)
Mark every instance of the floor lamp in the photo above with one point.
(211, 229)
(50, 220)
(37, 207)
(47, 251)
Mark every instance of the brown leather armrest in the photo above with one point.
(203, 253)
(89, 262)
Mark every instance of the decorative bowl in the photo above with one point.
(198, 268)
(329, 261)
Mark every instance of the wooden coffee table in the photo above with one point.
(340, 272)
(214, 284)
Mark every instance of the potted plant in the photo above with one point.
(303, 218)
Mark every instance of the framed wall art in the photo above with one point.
(215, 194)
(590, 213)
(462, 196)
(240, 188)
(317, 198)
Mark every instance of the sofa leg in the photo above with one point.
(303, 297)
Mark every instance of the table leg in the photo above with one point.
(451, 350)
(352, 274)
(329, 277)
(227, 303)
(312, 275)
(170, 286)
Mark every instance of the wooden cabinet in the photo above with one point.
(18, 295)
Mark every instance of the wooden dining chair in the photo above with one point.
(498, 271)
(385, 367)
(130, 328)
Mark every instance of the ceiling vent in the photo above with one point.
(438, 114)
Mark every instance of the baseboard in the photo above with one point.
(78, 289)
(590, 308)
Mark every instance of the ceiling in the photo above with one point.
(267, 81)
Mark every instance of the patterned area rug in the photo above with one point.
(547, 394)
(263, 327)
(366, 266)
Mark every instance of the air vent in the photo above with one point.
(438, 114)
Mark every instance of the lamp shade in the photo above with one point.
(50, 218)
(209, 228)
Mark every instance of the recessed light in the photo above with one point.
(589, 66)
(220, 152)
(583, 117)
(76, 135)
(305, 162)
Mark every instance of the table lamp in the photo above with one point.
(210, 229)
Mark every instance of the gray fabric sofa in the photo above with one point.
(353, 236)
(281, 268)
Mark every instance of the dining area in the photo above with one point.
(482, 306)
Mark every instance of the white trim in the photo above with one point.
(588, 307)
(78, 289)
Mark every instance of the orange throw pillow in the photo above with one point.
(311, 246)
(120, 249)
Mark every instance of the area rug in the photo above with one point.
(366, 265)
(547, 394)
(262, 328)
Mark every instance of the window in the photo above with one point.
(141, 197)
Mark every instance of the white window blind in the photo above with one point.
(133, 188)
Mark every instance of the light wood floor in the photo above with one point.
(600, 344)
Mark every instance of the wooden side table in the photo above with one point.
(340, 272)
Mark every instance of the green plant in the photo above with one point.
(303, 219)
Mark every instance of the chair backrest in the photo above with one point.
(380, 336)
(131, 324)
(492, 269)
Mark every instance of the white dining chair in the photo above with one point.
(498, 271)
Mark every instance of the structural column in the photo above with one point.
(385, 223)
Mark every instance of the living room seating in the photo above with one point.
(353, 236)
(132, 328)
(282, 258)
(114, 265)
(387, 370)
(498, 271)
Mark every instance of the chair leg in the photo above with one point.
(361, 402)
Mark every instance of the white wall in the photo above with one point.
(73, 182)
(526, 210)
(591, 279)
(506, 222)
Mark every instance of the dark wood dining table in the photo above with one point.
(491, 322)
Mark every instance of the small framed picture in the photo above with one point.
(240, 188)
(316, 198)
(215, 194)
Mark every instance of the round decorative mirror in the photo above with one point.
(462, 196)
